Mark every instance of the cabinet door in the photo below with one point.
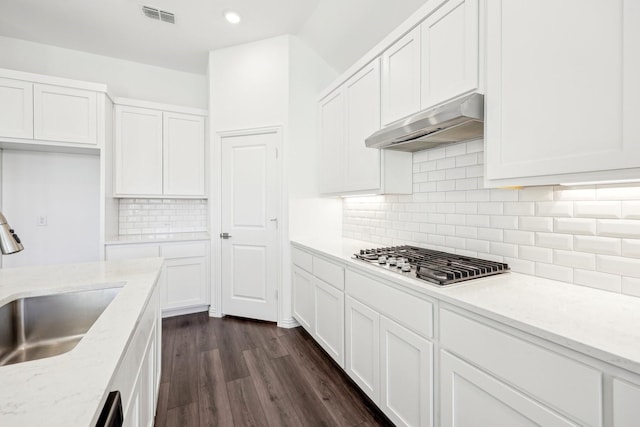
(16, 109)
(626, 411)
(362, 330)
(406, 375)
(138, 151)
(362, 113)
(303, 299)
(329, 330)
(449, 52)
(65, 114)
(469, 397)
(401, 78)
(184, 283)
(332, 163)
(552, 109)
(184, 155)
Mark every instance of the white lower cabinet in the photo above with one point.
(138, 375)
(303, 295)
(529, 381)
(318, 302)
(406, 375)
(184, 279)
(470, 397)
(390, 362)
(329, 324)
(362, 330)
(626, 403)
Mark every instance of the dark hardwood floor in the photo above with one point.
(239, 372)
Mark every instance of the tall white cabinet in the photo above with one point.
(159, 152)
(562, 91)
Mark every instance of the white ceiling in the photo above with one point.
(339, 30)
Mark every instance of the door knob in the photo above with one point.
(224, 235)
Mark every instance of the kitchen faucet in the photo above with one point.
(9, 240)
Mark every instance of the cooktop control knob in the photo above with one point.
(382, 259)
(406, 267)
(391, 260)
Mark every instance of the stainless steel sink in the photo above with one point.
(38, 327)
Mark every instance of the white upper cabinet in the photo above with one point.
(50, 111)
(362, 98)
(332, 143)
(348, 116)
(138, 151)
(563, 92)
(449, 52)
(64, 114)
(184, 149)
(159, 153)
(16, 108)
(401, 78)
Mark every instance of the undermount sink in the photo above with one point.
(39, 327)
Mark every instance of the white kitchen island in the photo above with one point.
(70, 389)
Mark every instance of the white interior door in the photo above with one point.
(249, 208)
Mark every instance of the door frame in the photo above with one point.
(216, 309)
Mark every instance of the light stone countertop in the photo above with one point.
(601, 324)
(157, 238)
(70, 389)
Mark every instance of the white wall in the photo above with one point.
(308, 213)
(65, 189)
(123, 78)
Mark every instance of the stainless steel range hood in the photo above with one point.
(455, 121)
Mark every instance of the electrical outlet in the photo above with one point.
(42, 221)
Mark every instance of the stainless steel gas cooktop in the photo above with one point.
(440, 268)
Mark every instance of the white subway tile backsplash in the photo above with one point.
(490, 208)
(631, 210)
(575, 225)
(574, 259)
(597, 209)
(555, 272)
(631, 286)
(521, 266)
(519, 208)
(533, 253)
(575, 193)
(152, 216)
(554, 209)
(504, 249)
(597, 245)
(503, 222)
(536, 194)
(589, 235)
(554, 240)
(631, 248)
(533, 223)
(519, 237)
(618, 265)
(595, 279)
(503, 195)
(619, 227)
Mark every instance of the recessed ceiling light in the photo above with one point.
(232, 17)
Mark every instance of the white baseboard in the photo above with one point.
(288, 323)
(187, 310)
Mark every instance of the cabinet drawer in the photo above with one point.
(301, 259)
(406, 309)
(331, 273)
(560, 382)
(184, 250)
(131, 251)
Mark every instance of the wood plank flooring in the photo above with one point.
(239, 372)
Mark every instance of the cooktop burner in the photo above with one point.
(437, 267)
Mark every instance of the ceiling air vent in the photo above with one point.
(160, 15)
